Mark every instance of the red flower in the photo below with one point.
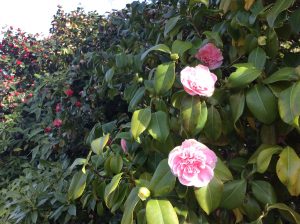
(3, 57)
(57, 123)
(58, 108)
(78, 104)
(29, 95)
(69, 92)
(48, 129)
(18, 62)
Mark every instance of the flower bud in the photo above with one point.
(262, 40)
(144, 193)
(174, 57)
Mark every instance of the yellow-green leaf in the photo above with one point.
(288, 170)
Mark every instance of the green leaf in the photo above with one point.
(160, 212)
(213, 126)
(111, 187)
(283, 207)
(209, 197)
(98, 144)
(222, 172)
(263, 192)
(77, 185)
(254, 156)
(160, 47)
(258, 58)
(277, 8)
(193, 2)
(138, 96)
(289, 103)
(140, 121)
(163, 181)
(272, 46)
(283, 74)
(262, 103)
(214, 37)
(159, 126)
(251, 208)
(264, 158)
(294, 21)
(72, 210)
(193, 114)
(129, 206)
(179, 47)
(164, 77)
(109, 75)
(170, 24)
(288, 170)
(237, 105)
(233, 194)
(224, 5)
(245, 74)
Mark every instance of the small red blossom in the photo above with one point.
(57, 123)
(58, 108)
(18, 62)
(69, 92)
(30, 95)
(78, 104)
(48, 129)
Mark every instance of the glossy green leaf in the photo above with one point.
(224, 5)
(111, 187)
(77, 185)
(289, 103)
(245, 74)
(160, 212)
(170, 24)
(272, 46)
(251, 208)
(209, 197)
(160, 47)
(283, 207)
(98, 144)
(163, 181)
(109, 75)
(164, 77)
(159, 126)
(237, 105)
(222, 172)
(213, 126)
(129, 206)
(277, 8)
(283, 74)
(288, 170)
(233, 194)
(264, 158)
(258, 58)
(262, 103)
(263, 192)
(140, 121)
(138, 96)
(179, 47)
(193, 114)
(294, 21)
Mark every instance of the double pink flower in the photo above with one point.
(193, 163)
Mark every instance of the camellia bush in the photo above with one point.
(193, 115)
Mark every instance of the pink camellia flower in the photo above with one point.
(124, 145)
(69, 92)
(210, 56)
(58, 108)
(198, 80)
(57, 123)
(193, 163)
